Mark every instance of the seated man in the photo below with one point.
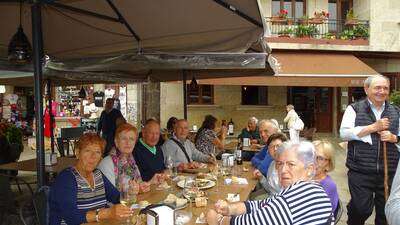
(182, 150)
(148, 156)
(262, 159)
(251, 131)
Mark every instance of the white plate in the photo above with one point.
(210, 184)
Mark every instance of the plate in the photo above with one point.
(207, 183)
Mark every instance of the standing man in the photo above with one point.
(366, 125)
(108, 124)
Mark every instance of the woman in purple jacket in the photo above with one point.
(325, 163)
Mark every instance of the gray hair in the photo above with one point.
(368, 81)
(305, 151)
(273, 124)
(253, 120)
(290, 106)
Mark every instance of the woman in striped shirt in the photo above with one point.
(80, 193)
(301, 201)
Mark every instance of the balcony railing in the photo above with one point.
(318, 28)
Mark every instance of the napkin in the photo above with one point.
(236, 180)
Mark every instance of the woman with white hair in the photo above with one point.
(302, 201)
(290, 119)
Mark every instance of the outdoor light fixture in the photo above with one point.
(19, 48)
(193, 83)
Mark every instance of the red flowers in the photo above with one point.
(283, 13)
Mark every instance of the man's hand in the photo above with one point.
(257, 173)
(382, 124)
(388, 136)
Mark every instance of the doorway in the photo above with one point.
(314, 106)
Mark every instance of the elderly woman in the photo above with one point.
(121, 165)
(325, 155)
(301, 201)
(80, 193)
(207, 137)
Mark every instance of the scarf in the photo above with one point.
(124, 166)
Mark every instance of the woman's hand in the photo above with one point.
(144, 187)
(134, 186)
(212, 217)
(222, 207)
(119, 211)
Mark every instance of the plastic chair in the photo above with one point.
(40, 205)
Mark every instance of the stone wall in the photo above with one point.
(227, 105)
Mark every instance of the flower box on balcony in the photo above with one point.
(316, 21)
(276, 20)
(351, 22)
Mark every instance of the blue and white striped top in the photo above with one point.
(300, 203)
(71, 197)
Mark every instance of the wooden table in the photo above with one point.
(220, 191)
(231, 147)
(30, 165)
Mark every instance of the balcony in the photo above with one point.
(318, 31)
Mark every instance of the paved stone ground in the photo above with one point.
(339, 175)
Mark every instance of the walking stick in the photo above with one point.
(385, 171)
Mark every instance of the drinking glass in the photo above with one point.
(127, 196)
(169, 163)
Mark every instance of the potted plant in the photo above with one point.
(360, 31)
(13, 135)
(280, 18)
(303, 20)
(351, 18)
(319, 17)
(286, 32)
(395, 98)
(306, 31)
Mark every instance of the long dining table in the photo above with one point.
(219, 191)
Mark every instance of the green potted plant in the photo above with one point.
(306, 31)
(303, 20)
(351, 18)
(13, 135)
(395, 98)
(286, 32)
(361, 31)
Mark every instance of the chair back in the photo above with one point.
(71, 132)
(41, 204)
(338, 212)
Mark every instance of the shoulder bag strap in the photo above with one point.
(183, 148)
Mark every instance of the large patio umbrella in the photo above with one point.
(75, 32)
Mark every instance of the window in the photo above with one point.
(201, 95)
(297, 8)
(254, 95)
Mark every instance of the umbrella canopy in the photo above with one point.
(89, 28)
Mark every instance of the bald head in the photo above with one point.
(151, 132)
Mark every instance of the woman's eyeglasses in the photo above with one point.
(321, 158)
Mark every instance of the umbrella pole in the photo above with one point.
(184, 86)
(385, 170)
(37, 41)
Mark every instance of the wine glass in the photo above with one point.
(127, 196)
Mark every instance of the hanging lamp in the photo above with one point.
(193, 84)
(19, 48)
